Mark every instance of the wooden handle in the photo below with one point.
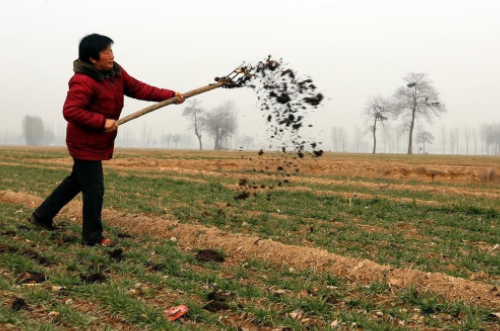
(167, 102)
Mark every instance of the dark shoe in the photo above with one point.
(106, 242)
(49, 226)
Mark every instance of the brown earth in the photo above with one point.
(242, 247)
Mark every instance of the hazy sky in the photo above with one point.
(352, 50)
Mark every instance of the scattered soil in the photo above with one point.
(218, 296)
(284, 97)
(208, 255)
(124, 235)
(116, 255)
(19, 304)
(215, 306)
(35, 256)
(93, 278)
(242, 196)
(4, 248)
(26, 277)
(155, 266)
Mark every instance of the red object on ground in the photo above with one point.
(175, 312)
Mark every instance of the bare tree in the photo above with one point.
(453, 141)
(246, 140)
(358, 136)
(339, 139)
(167, 138)
(377, 110)
(467, 136)
(424, 137)
(176, 138)
(418, 98)
(474, 140)
(444, 136)
(457, 139)
(195, 113)
(221, 123)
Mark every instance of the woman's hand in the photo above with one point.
(110, 125)
(180, 97)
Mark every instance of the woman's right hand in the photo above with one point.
(110, 125)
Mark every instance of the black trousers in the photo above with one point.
(86, 177)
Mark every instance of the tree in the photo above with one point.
(33, 130)
(457, 139)
(221, 123)
(453, 140)
(358, 136)
(443, 137)
(339, 139)
(167, 138)
(377, 110)
(467, 136)
(246, 140)
(176, 138)
(417, 99)
(474, 140)
(195, 113)
(424, 137)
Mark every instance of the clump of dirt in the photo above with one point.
(242, 182)
(35, 256)
(155, 266)
(124, 235)
(93, 278)
(32, 277)
(24, 227)
(209, 255)
(242, 195)
(116, 255)
(4, 248)
(215, 306)
(8, 233)
(218, 295)
(19, 304)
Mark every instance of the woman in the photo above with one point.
(93, 105)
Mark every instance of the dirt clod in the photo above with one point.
(34, 256)
(215, 306)
(19, 304)
(93, 278)
(30, 278)
(242, 196)
(116, 255)
(208, 255)
(4, 248)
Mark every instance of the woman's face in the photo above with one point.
(106, 59)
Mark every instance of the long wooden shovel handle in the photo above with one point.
(167, 102)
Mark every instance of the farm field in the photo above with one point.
(339, 242)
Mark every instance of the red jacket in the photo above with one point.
(95, 96)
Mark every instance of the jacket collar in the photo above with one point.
(80, 67)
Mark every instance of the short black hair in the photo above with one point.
(91, 45)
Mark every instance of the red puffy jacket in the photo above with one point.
(95, 96)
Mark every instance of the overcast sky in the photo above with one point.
(352, 50)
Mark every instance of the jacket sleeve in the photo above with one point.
(139, 90)
(78, 98)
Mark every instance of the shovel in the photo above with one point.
(235, 79)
